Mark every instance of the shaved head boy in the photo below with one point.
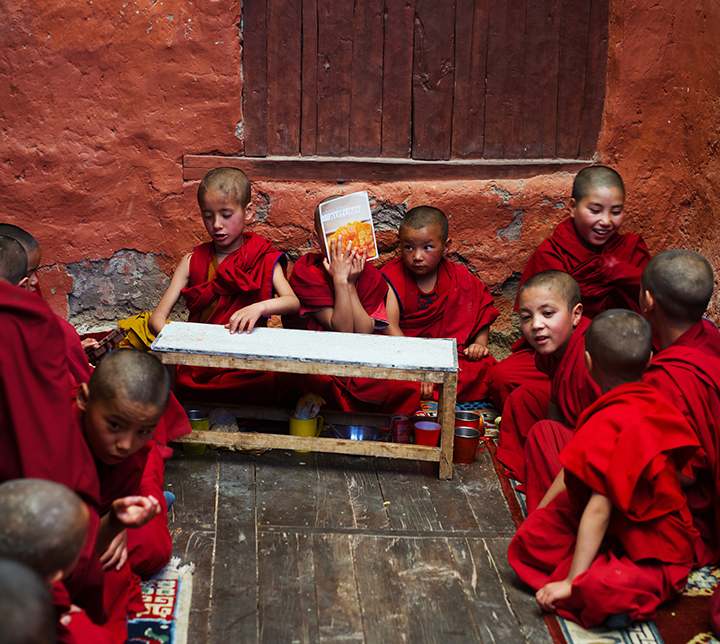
(26, 608)
(13, 261)
(32, 248)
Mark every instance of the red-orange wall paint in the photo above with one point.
(101, 100)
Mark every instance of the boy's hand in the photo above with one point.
(358, 266)
(116, 553)
(66, 617)
(426, 390)
(552, 592)
(135, 511)
(340, 262)
(476, 351)
(245, 319)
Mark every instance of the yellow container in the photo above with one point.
(200, 422)
(305, 427)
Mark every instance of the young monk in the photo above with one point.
(118, 411)
(552, 322)
(13, 262)
(432, 297)
(32, 248)
(27, 614)
(44, 525)
(231, 280)
(619, 540)
(339, 291)
(676, 288)
(38, 438)
(605, 263)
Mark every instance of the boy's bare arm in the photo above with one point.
(179, 281)
(591, 532)
(477, 349)
(558, 485)
(285, 303)
(127, 512)
(392, 308)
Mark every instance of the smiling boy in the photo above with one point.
(588, 245)
(552, 322)
(431, 297)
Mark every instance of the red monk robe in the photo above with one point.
(243, 278)
(572, 392)
(121, 595)
(463, 306)
(141, 474)
(690, 380)
(628, 447)
(38, 438)
(314, 288)
(608, 276)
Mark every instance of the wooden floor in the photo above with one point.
(329, 548)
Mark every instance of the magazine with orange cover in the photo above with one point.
(349, 217)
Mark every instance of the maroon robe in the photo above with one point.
(314, 288)
(572, 391)
(464, 305)
(628, 447)
(608, 276)
(38, 438)
(243, 278)
(690, 380)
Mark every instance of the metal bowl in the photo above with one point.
(359, 433)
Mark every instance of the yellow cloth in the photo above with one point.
(212, 269)
(139, 334)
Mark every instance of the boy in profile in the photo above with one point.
(13, 262)
(231, 280)
(618, 540)
(552, 323)
(44, 526)
(676, 288)
(339, 291)
(588, 245)
(432, 297)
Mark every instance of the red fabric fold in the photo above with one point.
(464, 305)
(243, 278)
(690, 380)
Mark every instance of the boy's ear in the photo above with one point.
(54, 577)
(83, 396)
(648, 304)
(250, 212)
(576, 314)
(588, 361)
(24, 283)
(448, 244)
(573, 206)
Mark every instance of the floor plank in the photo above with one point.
(191, 521)
(365, 494)
(235, 586)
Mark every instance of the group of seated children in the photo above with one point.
(615, 447)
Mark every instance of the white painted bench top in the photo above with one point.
(425, 354)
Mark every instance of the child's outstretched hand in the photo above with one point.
(116, 553)
(339, 262)
(135, 511)
(245, 319)
(476, 351)
(552, 592)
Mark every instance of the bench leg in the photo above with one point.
(446, 417)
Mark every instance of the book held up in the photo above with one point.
(349, 218)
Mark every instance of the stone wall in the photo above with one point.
(101, 100)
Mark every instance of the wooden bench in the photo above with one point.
(313, 352)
